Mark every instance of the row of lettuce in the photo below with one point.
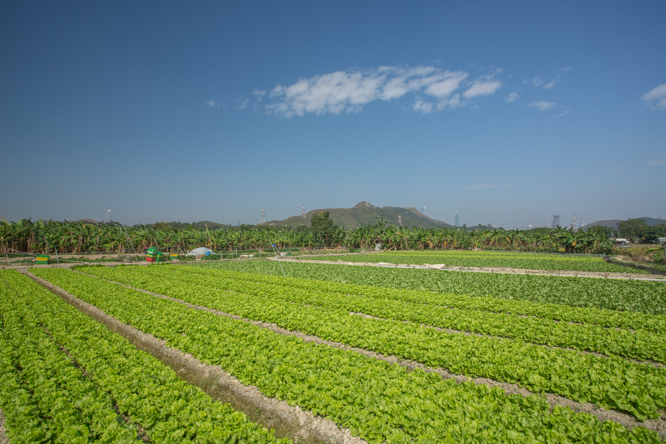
(608, 381)
(379, 401)
(525, 261)
(610, 294)
(66, 378)
(636, 336)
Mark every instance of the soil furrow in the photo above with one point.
(658, 425)
(3, 436)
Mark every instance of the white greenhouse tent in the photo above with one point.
(199, 251)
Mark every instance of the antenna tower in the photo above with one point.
(400, 220)
(303, 212)
(573, 223)
(263, 215)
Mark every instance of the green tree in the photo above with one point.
(651, 234)
(323, 228)
(632, 228)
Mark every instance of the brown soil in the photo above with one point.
(658, 425)
(3, 437)
(590, 274)
(288, 421)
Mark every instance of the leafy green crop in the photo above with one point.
(43, 395)
(375, 399)
(53, 401)
(581, 315)
(582, 377)
(489, 260)
(610, 294)
(636, 344)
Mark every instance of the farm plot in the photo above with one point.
(541, 369)
(490, 260)
(621, 295)
(378, 400)
(66, 378)
(646, 340)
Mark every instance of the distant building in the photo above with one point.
(457, 219)
(556, 221)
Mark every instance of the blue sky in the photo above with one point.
(506, 111)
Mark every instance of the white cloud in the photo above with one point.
(481, 186)
(453, 102)
(656, 98)
(562, 114)
(258, 94)
(550, 84)
(445, 85)
(657, 162)
(512, 97)
(568, 68)
(482, 89)
(424, 107)
(537, 81)
(212, 103)
(243, 103)
(348, 91)
(542, 105)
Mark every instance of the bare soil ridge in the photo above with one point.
(3, 436)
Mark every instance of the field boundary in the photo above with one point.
(498, 270)
(288, 421)
(657, 425)
(636, 266)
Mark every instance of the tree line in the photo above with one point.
(638, 230)
(80, 237)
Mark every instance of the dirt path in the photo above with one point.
(658, 425)
(3, 437)
(588, 274)
(288, 421)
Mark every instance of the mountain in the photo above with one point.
(365, 213)
(612, 223)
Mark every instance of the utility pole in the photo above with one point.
(263, 215)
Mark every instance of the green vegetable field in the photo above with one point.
(486, 259)
(390, 355)
(616, 295)
(67, 379)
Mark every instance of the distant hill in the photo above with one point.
(612, 223)
(87, 221)
(363, 214)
